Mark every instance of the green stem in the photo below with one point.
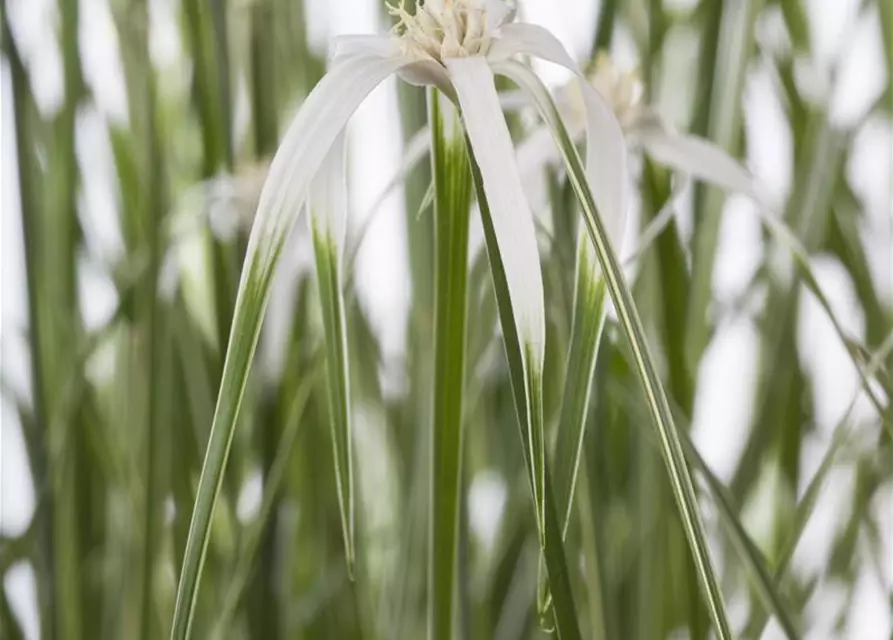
(723, 126)
(452, 185)
(550, 536)
(604, 29)
(155, 220)
(24, 111)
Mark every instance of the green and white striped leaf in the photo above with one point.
(328, 223)
(752, 558)
(671, 448)
(306, 143)
(563, 607)
(452, 203)
(515, 234)
(586, 332)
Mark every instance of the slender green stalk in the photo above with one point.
(595, 579)
(337, 376)
(209, 105)
(58, 242)
(25, 113)
(604, 29)
(586, 331)
(552, 543)
(272, 486)
(737, 25)
(452, 199)
(264, 92)
(671, 448)
(155, 208)
(242, 343)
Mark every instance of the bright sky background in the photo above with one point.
(723, 404)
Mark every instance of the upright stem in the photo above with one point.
(452, 188)
(264, 613)
(737, 25)
(60, 320)
(23, 108)
(154, 224)
(604, 29)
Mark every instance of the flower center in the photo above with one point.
(442, 29)
(622, 89)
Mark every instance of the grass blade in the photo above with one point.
(328, 218)
(490, 140)
(308, 139)
(563, 606)
(586, 331)
(753, 559)
(274, 480)
(452, 200)
(671, 447)
(842, 433)
(720, 119)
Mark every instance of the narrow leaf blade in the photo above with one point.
(671, 447)
(328, 217)
(553, 547)
(452, 202)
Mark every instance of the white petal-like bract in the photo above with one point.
(606, 151)
(362, 46)
(306, 143)
(328, 198)
(512, 218)
(701, 159)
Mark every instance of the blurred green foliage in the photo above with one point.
(117, 420)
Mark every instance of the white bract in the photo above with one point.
(645, 128)
(457, 46)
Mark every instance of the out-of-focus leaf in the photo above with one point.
(277, 473)
(796, 21)
(721, 120)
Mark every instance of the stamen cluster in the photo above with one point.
(442, 29)
(622, 89)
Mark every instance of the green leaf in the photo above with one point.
(842, 433)
(272, 485)
(452, 201)
(328, 217)
(586, 331)
(311, 134)
(514, 230)
(753, 559)
(671, 447)
(524, 386)
(720, 121)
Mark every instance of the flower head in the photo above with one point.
(622, 90)
(442, 29)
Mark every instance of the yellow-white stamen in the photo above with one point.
(621, 89)
(442, 29)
